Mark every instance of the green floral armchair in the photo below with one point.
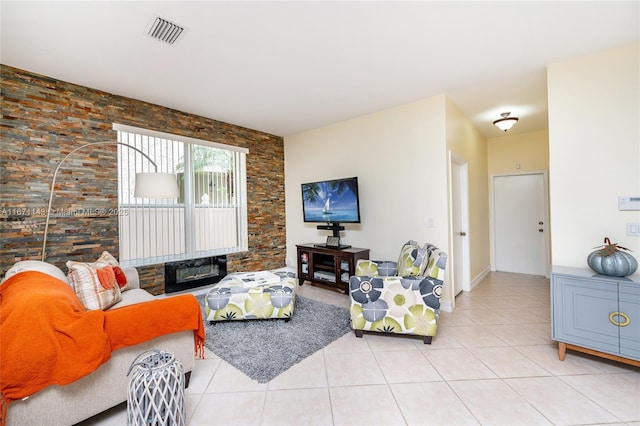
(399, 297)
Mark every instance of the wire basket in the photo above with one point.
(155, 396)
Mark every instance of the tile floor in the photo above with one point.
(491, 363)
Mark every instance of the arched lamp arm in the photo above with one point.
(55, 175)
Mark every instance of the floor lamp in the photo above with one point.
(148, 185)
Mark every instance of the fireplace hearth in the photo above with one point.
(188, 274)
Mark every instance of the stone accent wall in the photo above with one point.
(43, 119)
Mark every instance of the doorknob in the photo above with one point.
(462, 234)
(540, 230)
(540, 223)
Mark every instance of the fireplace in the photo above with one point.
(188, 274)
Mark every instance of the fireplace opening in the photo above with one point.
(188, 274)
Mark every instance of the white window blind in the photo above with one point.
(210, 216)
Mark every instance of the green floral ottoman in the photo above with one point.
(252, 295)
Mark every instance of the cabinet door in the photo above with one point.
(303, 263)
(581, 310)
(344, 266)
(629, 305)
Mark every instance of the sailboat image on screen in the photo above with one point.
(327, 207)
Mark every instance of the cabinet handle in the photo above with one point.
(617, 323)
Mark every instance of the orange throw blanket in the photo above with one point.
(47, 337)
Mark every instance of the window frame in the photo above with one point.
(240, 229)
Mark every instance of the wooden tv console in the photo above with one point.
(328, 266)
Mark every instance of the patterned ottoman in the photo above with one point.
(252, 295)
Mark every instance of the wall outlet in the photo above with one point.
(633, 229)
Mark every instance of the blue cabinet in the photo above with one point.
(596, 314)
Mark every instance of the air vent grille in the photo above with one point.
(165, 31)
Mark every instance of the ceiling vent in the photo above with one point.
(165, 31)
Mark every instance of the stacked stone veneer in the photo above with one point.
(43, 119)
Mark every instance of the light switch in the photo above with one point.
(633, 229)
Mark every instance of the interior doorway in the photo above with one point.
(460, 258)
(520, 223)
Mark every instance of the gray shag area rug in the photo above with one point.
(263, 349)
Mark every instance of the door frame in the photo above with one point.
(545, 201)
(462, 162)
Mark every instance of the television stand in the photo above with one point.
(328, 266)
(340, 247)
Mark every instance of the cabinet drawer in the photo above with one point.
(581, 312)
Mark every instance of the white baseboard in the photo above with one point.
(446, 306)
(480, 277)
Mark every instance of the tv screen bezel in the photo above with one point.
(328, 181)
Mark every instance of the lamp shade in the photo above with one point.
(505, 123)
(156, 185)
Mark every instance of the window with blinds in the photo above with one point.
(209, 217)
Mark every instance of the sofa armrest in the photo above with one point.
(132, 276)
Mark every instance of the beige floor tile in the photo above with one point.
(348, 343)
(507, 362)
(406, 367)
(234, 408)
(353, 369)
(308, 373)
(458, 364)
(459, 318)
(392, 342)
(229, 379)
(513, 335)
(520, 316)
(365, 405)
(542, 329)
(618, 393)
(431, 404)
(486, 316)
(301, 406)
(559, 402)
(442, 340)
(191, 402)
(202, 374)
(547, 357)
(467, 302)
(492, 402)
(475, 336)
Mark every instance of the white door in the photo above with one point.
(460, 218)
(520, 224)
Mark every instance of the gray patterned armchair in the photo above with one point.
(399, 297)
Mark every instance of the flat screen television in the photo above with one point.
(331, 201)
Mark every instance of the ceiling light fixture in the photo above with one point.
(505, 123)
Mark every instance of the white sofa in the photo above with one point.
(106, 387)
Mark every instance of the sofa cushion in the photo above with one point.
(131, 297)
(85, 281)
(412, 260)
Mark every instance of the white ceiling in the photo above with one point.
(285, 67)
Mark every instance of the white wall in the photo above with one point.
(594, 151)
(399, 156)
(466, 141)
